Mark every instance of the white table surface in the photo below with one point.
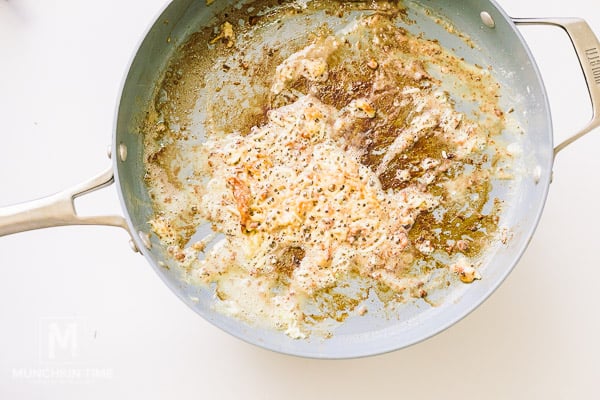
(61, 64)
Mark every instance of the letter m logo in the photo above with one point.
(60, 340)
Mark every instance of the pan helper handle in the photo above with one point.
(587, 48)
(58, 210)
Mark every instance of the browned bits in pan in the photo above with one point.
(376, 96)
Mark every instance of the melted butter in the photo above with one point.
(387, 69)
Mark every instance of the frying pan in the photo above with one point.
(498, 43)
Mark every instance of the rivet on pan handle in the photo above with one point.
(57, 210)
(587, 48)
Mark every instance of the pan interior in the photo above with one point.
(513, 67)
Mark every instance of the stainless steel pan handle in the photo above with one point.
(587, 48)
(58, 210)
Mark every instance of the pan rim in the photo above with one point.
(359, 351)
